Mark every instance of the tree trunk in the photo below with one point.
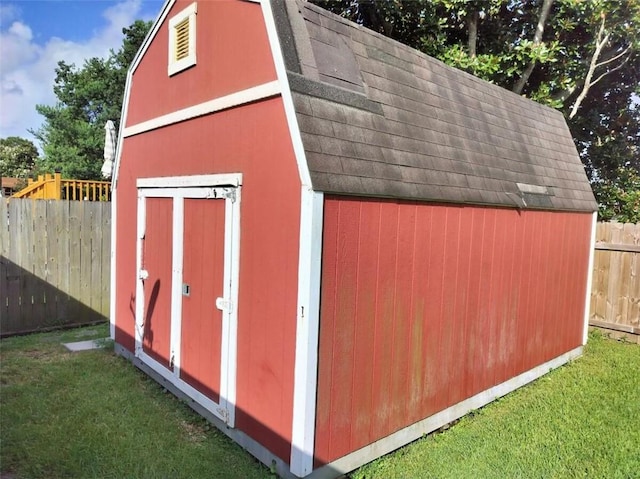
(473, 33)
(601, 41)
(537, 38)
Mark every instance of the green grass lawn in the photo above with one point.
(92, 414)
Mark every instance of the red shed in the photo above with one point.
(330, 243)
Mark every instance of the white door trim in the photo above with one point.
(225, 187)
(224, 179)
(141, 226)
(230, 328)
(177, 260)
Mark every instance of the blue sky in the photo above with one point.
(36, 34)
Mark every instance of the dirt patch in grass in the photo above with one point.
(193, 432)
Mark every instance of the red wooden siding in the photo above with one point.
(232, 51)
(426, 305)
(203, 271)
(157, 290)
(254, 140)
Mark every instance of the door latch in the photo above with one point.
(223, 304)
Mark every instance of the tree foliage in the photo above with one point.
(620, 198)
(580, 57)
(17, 157)
(72, 134)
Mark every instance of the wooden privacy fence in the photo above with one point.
(615, 293)
(54, 263)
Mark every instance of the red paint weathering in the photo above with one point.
(426, 305)
(252, 139)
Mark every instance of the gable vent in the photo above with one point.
(182, 40)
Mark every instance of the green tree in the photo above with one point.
(579, 57)
(620, 198)
(72, 134)
(17, 157)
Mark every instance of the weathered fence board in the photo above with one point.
(74, 257)
(615, 294)
(54, 264)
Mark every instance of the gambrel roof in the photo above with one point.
(378, 118)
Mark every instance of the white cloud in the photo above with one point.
(8, 13)
(16, 47)
(20, 30)
(27, 68)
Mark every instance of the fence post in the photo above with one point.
(57, 181)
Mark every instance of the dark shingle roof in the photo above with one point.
(378, 118)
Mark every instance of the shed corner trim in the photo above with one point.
(307, 332)
(587, 301)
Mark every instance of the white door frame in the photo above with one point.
(226, 187)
